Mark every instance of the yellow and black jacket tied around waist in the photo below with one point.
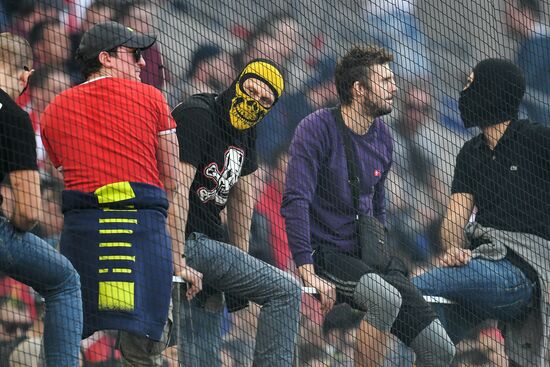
(116, 238)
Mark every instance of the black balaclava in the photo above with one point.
(494, 94)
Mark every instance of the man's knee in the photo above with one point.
(433, 347)
(295, 289)
(74, 279)
(380, 300)
(422, 282)
(139, 351)
(290, 289)
(71, 280)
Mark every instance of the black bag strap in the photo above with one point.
(371, 244)
(351, 159)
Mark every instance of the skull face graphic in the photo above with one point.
(224, 179)
(245, 111)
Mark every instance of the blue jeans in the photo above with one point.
(228, 269)
(200, 334)
(482, 289)
(28, 259)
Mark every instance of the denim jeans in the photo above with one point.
(28, 259)
(200, 334)
(482, 289)
(228, 269)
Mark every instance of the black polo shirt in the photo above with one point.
(510, 184)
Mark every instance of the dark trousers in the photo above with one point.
(345, 271)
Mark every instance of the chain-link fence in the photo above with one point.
(285, 183)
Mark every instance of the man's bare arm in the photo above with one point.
(25, 185)
(188, 174)
(175, 185)
(240, 209)
(459, 211)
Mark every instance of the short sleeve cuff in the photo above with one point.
(167, 132)
(303, 258)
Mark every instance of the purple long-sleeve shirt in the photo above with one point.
(317, 202)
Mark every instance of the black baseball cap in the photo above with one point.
(109, 35)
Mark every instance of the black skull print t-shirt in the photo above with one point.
(221, 154)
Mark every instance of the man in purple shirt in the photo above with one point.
(320, 214)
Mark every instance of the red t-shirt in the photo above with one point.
(106, 131)
(269, 204)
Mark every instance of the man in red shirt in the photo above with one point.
(114, 140)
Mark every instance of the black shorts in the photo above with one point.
(345, 270)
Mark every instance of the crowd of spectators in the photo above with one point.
(203, 43)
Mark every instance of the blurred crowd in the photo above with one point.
(203, 43)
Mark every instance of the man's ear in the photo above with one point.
(25, 74)
(23, 78)
(105, 58)
(358, 89)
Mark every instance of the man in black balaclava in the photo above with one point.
(491, 266)
(217, 141)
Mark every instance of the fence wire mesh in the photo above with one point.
(274, 183)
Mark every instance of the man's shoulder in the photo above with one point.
(120, 86)
(317, 129)
(315, 125)
(533, 129)
(472, 143)
(69, 95)
(470, 148)
(143, 87)
(206, 101)
(317, 119)
(203, 105)
(59, 105)
(127, 87)
(6, 103)
(10, 110)
(534, 135)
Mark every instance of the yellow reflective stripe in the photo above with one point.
(118, 210)
(116, 296)
(117, 220)
(121, 270)
(117, 257)
(103, 271)
(115, 244)
(114, 192)
(115, 231)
